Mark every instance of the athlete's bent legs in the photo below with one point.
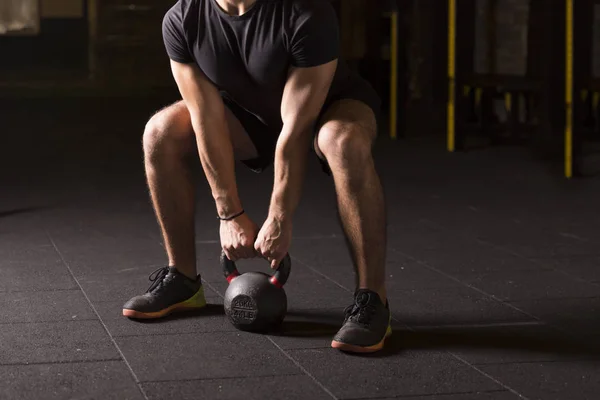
(169, 143)
(345, 141)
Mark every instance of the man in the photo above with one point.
(262, 82)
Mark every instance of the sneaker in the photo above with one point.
(170, 291)
(366, 326)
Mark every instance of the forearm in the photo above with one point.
(216, 154)
(212, 137)
(290, 168)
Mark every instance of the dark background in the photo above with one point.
(492, 262)
(113, 50)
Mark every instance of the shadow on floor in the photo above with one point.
(311, 323)
(17, 211)
(209, 310)
(536, 339)
(539, 340)
(525, 339)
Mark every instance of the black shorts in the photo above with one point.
(265, 139)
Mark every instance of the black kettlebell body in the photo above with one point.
(255, 301)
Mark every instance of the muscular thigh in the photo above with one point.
(175, 121)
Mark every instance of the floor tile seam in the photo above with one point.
(505, 302)
(86, 361)
(318, 272)
(220, 378)
(233, 330)
(408, 327)
(33, 291)
(553, 299)
(49, 321)
(116, 346)
(466, 363)
(213, 288)
(549, 361)
(501, 270)
(426, 395)
(577, 257)
(328, 278)
(538, 298)
(215, 332)
(462, 283)
(351, 291)
(304, 370)
(478, 326)
(288, 356)
(506, 250)
(533, 318)
(498, 382)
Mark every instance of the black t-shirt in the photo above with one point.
(248, 56)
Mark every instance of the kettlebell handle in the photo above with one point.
(278, 279)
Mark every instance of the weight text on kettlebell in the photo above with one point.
(243, 309)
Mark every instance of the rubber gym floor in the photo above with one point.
(493, 275)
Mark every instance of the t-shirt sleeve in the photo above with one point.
(316, 37)
(174, 36)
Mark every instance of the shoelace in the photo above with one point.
(157, 278)
(361, 314)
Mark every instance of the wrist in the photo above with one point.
(280, 214)
(227, 206)
(232, 216)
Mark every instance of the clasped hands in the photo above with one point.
(241, 238)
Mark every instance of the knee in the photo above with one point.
(345, 144)
(163, 134)
(158, 133)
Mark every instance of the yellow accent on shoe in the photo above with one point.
(195, 302)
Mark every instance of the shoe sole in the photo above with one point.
(352, 348)
(195, 302)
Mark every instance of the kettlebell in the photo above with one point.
(255, 301)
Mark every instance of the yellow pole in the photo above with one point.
(451, 73)
(394, 75)
(569, 90)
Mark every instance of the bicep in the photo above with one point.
(305, 92)
(198, 93)
(314, 51)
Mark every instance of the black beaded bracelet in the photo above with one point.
(232, 217)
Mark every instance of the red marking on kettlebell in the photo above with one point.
(232, 276)
(275, 282)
